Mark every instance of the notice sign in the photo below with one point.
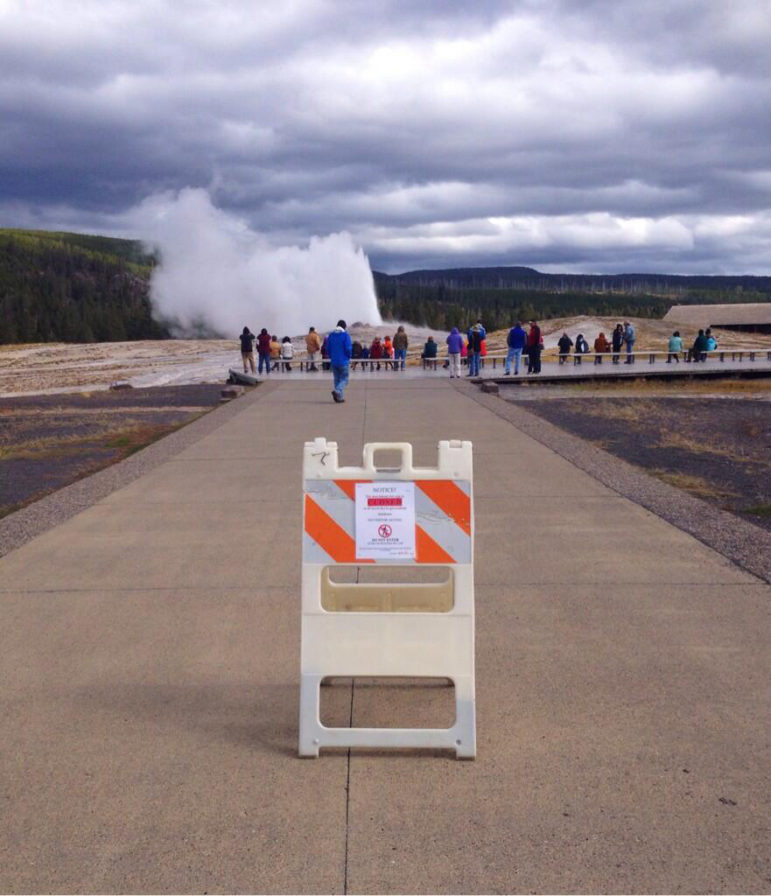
(385, 520)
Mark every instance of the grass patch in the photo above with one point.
(636, 412)
(763, 510)
(131, 440)
(696, 446)
(726, 386)
(695, 485)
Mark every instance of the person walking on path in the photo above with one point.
(400, 348)
(454, 349)
(340, 348)
(313, 347)
(247, 349)
(263, 351)
(516, 342)
(674, 348)
(564, 344)
(629, 338)
(534, 348)
(476, 335)
(601, 348)
(617, 338)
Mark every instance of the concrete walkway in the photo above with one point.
(149, 685)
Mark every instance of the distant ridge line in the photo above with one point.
(519, 277)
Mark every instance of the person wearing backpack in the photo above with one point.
(516, 342)
(629, 338)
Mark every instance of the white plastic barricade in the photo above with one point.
(354, 516)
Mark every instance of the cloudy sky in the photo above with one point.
(596, 135)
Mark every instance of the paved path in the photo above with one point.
(149, 681)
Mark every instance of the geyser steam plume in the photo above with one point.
(219, 276)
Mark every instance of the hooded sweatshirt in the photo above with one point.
(454, 342)
(339, 346)
(516, 338)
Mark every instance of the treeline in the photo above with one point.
(521, 278)
(457, 298)
(72, 287)
(64, 287)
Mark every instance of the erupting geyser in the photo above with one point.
(217, 275)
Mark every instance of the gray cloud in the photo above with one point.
(604, 135)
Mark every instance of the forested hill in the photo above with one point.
(74, 288)
(459, 296)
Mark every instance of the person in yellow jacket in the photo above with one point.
(275, 353)
(313, 345)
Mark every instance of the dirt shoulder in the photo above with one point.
(49, 441)
(712, 442)
(715, 449)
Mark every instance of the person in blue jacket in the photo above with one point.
(340, 348)
(516, 342)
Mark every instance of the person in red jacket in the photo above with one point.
(376, 350)
(263, 351)
(534, 348)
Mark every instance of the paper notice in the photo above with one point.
(385, 520)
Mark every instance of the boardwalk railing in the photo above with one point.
(492, 359)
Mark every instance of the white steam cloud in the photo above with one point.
(219, 276)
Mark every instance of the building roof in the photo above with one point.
(748, 313)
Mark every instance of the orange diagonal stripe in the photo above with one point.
(328, 534)
(427, 550)
(449, 499)
(349, 486)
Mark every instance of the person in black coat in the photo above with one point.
(247, 349)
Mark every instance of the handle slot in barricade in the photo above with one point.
(408, 609)
(386, 597)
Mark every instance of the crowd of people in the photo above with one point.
(337, 347)
(623, 337)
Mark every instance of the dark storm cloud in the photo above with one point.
(593, 135)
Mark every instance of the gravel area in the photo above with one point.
(742, 542)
